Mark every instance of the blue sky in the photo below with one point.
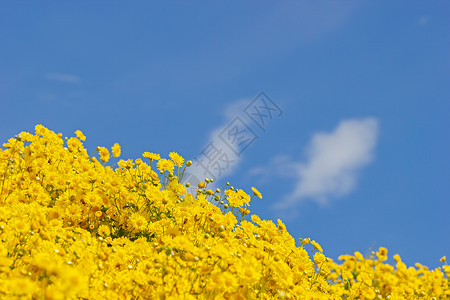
(356, 156)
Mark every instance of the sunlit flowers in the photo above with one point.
(237, 198)
(382, 254)
(116, 150)
(104, 154)
(317, 246)
(151, 156)
(256, 193)
(138, 222)
(80, 135)
(176, 158)
(165, 165)
(74, 227)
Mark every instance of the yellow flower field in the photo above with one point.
(73, 228)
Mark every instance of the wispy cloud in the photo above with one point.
(333, 162)
(69, 78)
(217, 159)
(245, 120)
(278, 166)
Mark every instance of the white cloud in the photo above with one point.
(278, 166)
(334, 161)
(218, 147)
(69, 78)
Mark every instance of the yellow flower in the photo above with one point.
(382, 254)
(317, 246)
(73, 280)
(319, 258)
(22, 286)
(103, 230)
(165, 165)
(138, 222)
(104, 154)
(256, 193)
(80, 135)
(151, 239)
(443, 259)
(359, 256)
(151, 156)
(126, 164)
(176, 158)
(116, 150)
(237, 198)
(21, 226)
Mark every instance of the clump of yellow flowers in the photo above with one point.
(73, 228)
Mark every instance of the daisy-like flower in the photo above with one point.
(165, 165)
(256, 193)
(104, 154)
(138, 222)
(116, 150)
(80, 135)
(151, 156)
(176, 158)
(317, 246)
